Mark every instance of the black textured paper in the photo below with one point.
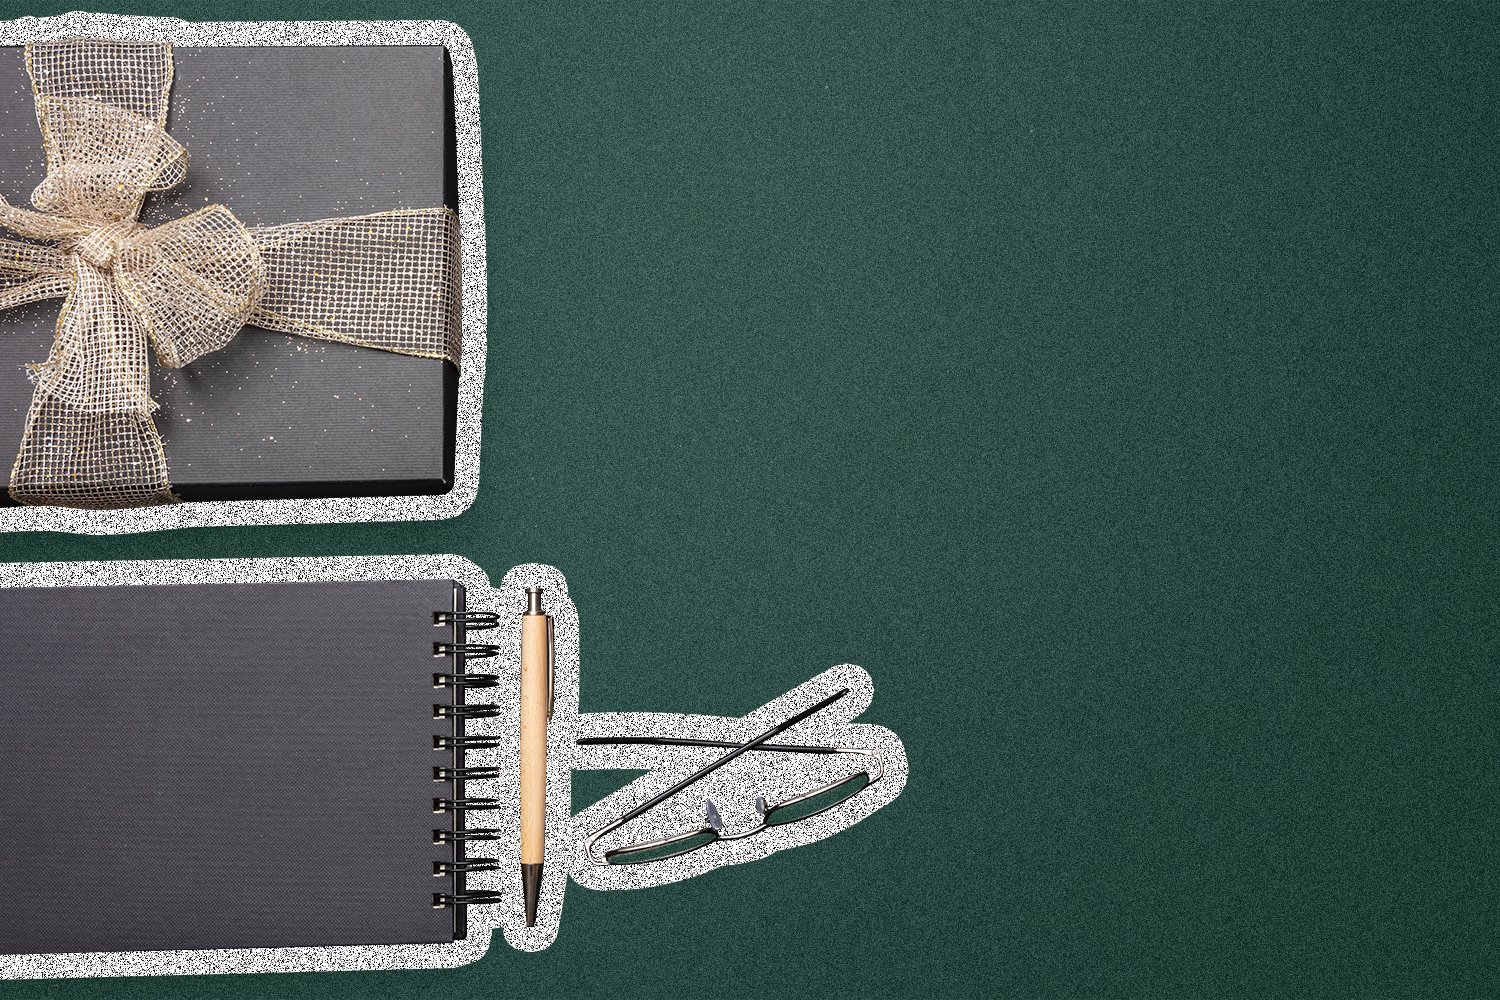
(220, 766)
(278, 135)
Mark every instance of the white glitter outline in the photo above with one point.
(219, 513)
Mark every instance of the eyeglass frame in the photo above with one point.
(714, 824)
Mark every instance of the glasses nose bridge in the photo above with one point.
(718, 826)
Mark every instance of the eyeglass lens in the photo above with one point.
(819, 801)
(660, 850)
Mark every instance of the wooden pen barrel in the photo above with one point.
(534, 698)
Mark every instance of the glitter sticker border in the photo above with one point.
(217, 513)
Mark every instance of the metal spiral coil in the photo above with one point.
(464, 742)
(468, 867)
(442, 899)
(465, 680)
(464, 805)
(465, 773)
(464, 836)
(465, 711)
(463, 651)
(460, 681)
(473, 621)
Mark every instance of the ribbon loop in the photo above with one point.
(31, 273)
(102, 108)
(193, 283)
(101, 161)
(39, 226)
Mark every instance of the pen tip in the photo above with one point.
(531, 888)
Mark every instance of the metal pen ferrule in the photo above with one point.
(534, 607)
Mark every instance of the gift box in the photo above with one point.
(277, 135)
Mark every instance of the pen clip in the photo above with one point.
(551, 668)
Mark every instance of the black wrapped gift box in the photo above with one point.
(278, 135)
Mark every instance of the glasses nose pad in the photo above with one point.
(712, 815)
(761, 807)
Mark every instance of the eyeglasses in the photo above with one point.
(793, 810)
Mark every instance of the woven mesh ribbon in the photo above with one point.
(388, 281)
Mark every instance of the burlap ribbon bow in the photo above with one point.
(388, 281)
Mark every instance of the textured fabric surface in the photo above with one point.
(1115, 382)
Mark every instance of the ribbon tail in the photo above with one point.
(89, 440)
(388, 281)
(38, 225)
(39, 289)
(96, 461)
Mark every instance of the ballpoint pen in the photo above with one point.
(537, 669)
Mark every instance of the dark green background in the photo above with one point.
(1116, 384)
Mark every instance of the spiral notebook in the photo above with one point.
(232, 765)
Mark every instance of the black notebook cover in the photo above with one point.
(221, 766)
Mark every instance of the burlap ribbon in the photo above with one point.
(388, 281)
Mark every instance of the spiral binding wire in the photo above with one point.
(477, 898)
(467, 866)
(465, 711)
(464, 805)
(465, 773)
(464, 836)
(460, 681)
(464, 743)
(465, 680)
(465, 651)
(472, 621)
